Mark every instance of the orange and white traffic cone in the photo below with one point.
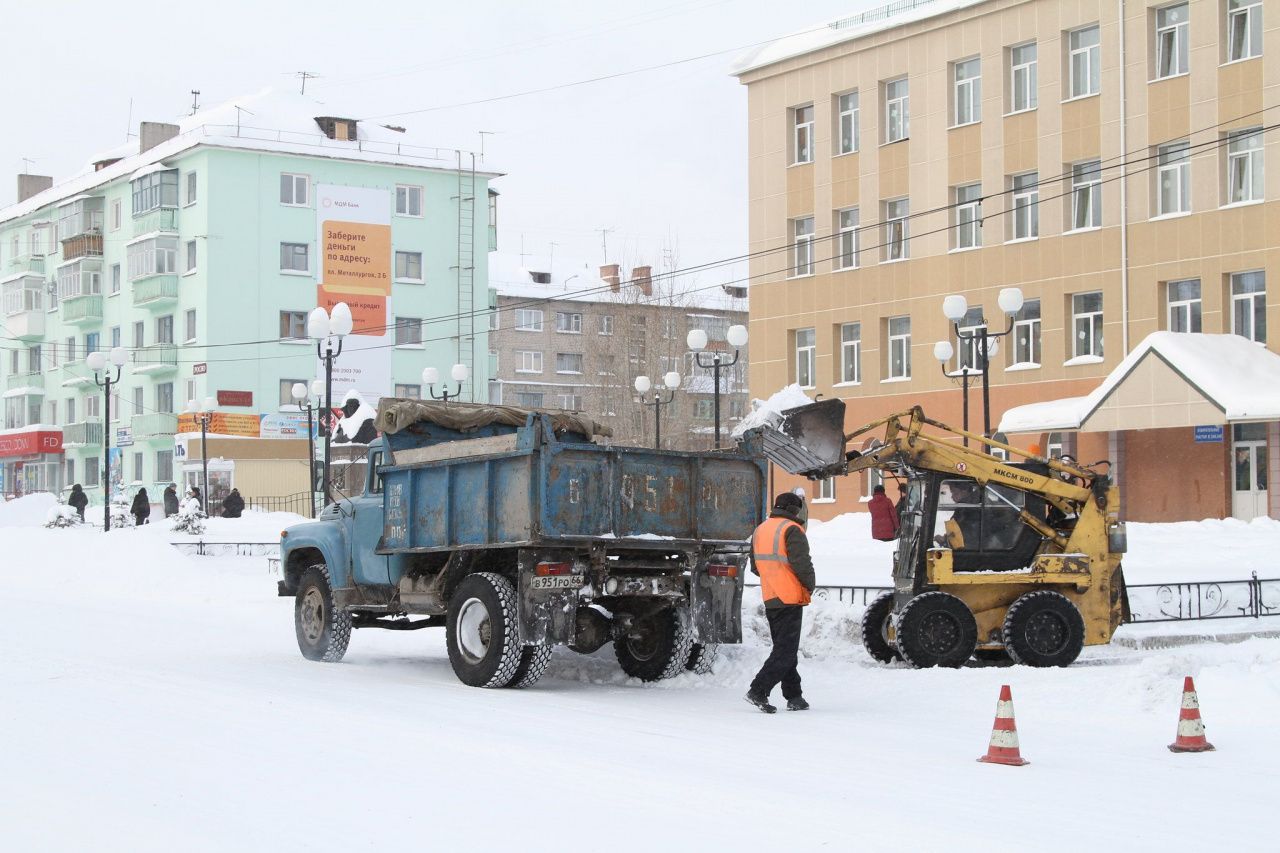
(1004, 734)
(1190, 727)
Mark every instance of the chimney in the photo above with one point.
(152, 133)
(343, 129)
(642, 277)
(99, 165)
(610, 272)
(29, 185)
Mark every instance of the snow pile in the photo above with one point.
(27, 511)
(769, 412)
(190, 518)
(62, 515)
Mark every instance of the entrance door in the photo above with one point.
(1249, 459)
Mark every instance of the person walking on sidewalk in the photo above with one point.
(780, 556)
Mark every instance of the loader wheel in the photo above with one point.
(702, 656)
(656, 647)
(323, 629)
(481, 633)
(877, 623)
(533, 662)
(1043, 628)
(936, 629)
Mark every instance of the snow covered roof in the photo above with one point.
(271, 120)
(1170, 379)
(887, 17)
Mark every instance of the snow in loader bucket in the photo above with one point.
(809, 441)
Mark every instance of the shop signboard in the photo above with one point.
(31, 443)
(1209, 434)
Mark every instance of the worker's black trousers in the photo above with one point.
(784, 629)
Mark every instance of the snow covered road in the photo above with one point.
(158, 702)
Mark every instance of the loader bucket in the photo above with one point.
(809, 441)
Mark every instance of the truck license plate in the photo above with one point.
(556, 582)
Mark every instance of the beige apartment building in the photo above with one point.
(566, 335)
(1115, 160)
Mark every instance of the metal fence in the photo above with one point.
(200, 548)
(298, 503)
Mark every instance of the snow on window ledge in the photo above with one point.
(895, 379)
(1082, 360)
(846, 385)
(1026, 365)
(823, 501)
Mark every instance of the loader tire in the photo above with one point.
(1043, 628)
(936, 629)
(481, 631)
(533, 662)
(702, 657)
(876, 622)
(323, 629)
(657, 646)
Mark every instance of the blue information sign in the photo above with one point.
(1208, 434)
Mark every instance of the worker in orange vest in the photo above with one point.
(780, 556)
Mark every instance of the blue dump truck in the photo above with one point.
(520, 530)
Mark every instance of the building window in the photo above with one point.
(530, 361)
(164, 466)
(139, 333)
(899, 349)
(1026, 333)
(606, 324)
(1249, 305)
(191, 390)
(1244, 166)
(191, 187)
(115, 278)
(1171, 41)
(191, 256)
(529, 400)
(1086, 323)
(704, 410)
(138, 406)
(897, 110)
(568, 322)
(164, 329)
(826, 489)
(1183, 298)
(1023, 82)
(91, 470)
(293, 325)
(493, 319)
(408, 392)
(294, 257)
(164, 397)
(1173, 175)
(1026, 205)
(157, 256)
(1086, 195)
(1244, 29)
(115, 215)
(806, 356)
(409, 331)
(568, 362)
(846, 239)
(154, 191)
(967, 84)
(968, 213)
(851, 352)
(295, 190)
(802, 134)
(802, 248)
(408, 200)
(847, 121)
(190, 320)
(137, 467)
(570, 402)
(286, 391)
(1084, 62)
(528, 320)
(897, 238)
(409, 267)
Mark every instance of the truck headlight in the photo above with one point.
(611, 586)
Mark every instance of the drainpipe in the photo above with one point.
(1124, 190)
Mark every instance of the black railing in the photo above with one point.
(201, 548)
(298, 503)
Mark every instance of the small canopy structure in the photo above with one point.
(1171, 379)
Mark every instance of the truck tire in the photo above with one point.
(875, 629)
(657, 647)
(702, 657)
(323, 629)
(533, 662)
(1043, 628)
(936, 629)
(481, 633)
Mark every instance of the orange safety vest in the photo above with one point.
(769, 548)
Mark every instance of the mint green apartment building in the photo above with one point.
(198, 247)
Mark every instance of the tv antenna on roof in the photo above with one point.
(195, 101)
(27, 163)
(305, 76)
(483, 134)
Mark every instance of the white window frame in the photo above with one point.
(802, 134)
(1246, 175)
(530, 361)
(606, 324)
(529, 319)
(1089, 321)
(1245, 17)
(1184, 313)
(968, 214)
(408, 332)
(846, 239)
(153, 256)
(1024, 78)
(566, 358)
(1248, 305)
(192, 257)
(807, 357)
(897, 127)
(189, 325)
(966, 100)
(293, 255)
(289, 198)
(408, 257)
(851, 353)
(1026, 339)
(568, 322)
(192, 189)
(826, 491)
(802, 247)
(897, 229)
(1173, 164)
(570, 402)
(1089, 55)
(899, 346)
(114, 277)
(1171, 40)
(117, 214)
(1086, 195)
(405, 194)
(848, 121)
(1025, 201)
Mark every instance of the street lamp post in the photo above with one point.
(671, 381)
(300, 394)
(430, 376)
(97, 362)
(323, 327)
(697, 341)
(943, 351)
(203, 414)
(954, 307)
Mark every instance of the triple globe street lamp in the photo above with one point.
(322, 327)
(671, 382)
(300, 395)
(983, 344)
(697, 341)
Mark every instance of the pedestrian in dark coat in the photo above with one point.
(233, 505)
(171, 500)
(194, 492)
(901, 505)
(141, 508)
(78, 499)
(884, 517)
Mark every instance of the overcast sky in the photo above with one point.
(659, 157)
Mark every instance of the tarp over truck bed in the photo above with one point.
(397, 414)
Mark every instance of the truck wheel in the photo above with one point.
(323, 630)
(1043, 628)
(876, 622)
(533, 662)
(484, 644)
(656, 647)
(936, 629)
(702, 657)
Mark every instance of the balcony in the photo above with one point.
(163, 220)
(23, 302)
(82, 246)
(15, 381)
(157, 425)
(82, 434)
(155, 291)
(157, 358)
(76, 373)
(82, 310)
(27, 263)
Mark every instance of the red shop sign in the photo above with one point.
(30, 443)
(235, 398)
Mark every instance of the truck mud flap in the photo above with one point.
(716, 605)
(548, 616)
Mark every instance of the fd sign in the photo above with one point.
(31, 443)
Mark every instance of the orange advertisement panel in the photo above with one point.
(223, 423)
(368, 313)
(355, 257)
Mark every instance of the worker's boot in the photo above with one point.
(797, 704)
(761, 702)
